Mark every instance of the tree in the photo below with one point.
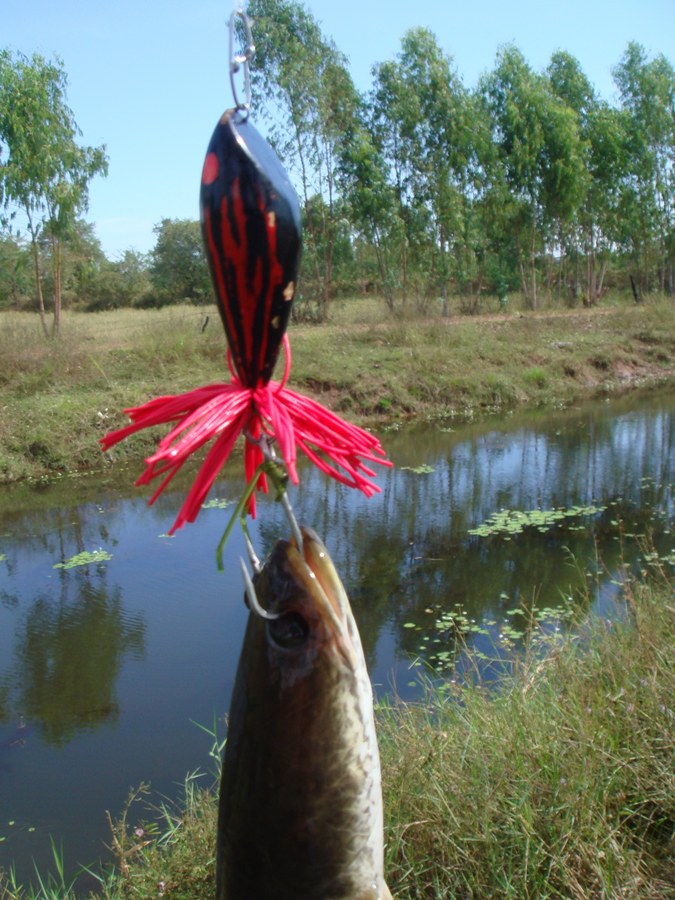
(15, 267)
(439, 139)
(371, 203)
(93, 282)
(301, 83)
(538, 156)
(419, 114)
(179, 270)
(44, 172)
(648, 99)
(595, 232)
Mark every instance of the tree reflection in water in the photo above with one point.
(68, 656)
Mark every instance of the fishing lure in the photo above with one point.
(252, 237)
(251, 227)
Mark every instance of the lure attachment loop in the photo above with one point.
(241, 60)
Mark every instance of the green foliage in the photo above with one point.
(420, 190)
(85, 558)
(529, 182)
(58, 397)
(420, 117)
(301, 83)
(535, 375)
(537, 159)
(15, 274)
(44, 172)
(555, 783)
(647, 91)
(179, 271)
(125, 282)
(419, 470)
(514, 521)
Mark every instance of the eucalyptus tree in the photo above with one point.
(301, 83)
(421, 123)
(371, 202)
(596, 230)
(647, 89)
(388, 125)
(538, 157)
(44, 172)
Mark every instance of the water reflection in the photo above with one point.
(109, 664)
(68, 655)
(409, 554)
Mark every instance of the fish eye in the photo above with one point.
(289, 632)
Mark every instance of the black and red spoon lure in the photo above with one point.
(251, 227)
(252, 235)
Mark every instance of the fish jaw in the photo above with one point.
(301, 799)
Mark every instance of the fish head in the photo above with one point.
(308, 611)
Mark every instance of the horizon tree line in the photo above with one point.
(420, 188)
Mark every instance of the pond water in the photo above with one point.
(105, 668)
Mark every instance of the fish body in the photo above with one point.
(300, 813)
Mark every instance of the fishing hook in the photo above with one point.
(252, 597)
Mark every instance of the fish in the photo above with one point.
(300, 806)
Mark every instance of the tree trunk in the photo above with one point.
(533, 264)
(601, 279)
(38, 285)
(56, 256)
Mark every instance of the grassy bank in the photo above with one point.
(558, 784)
(57, 398)
(561, 786)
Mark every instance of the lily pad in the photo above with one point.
(86, 558)
(216, 503)
(514, 521)
(419, 470)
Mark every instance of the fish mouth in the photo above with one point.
(306, 596)
(320, 566)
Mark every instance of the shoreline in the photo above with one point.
(59, 398)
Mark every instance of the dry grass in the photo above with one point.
(58, 397)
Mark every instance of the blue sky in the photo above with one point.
(149, 78)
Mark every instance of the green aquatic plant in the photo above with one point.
(217, 503)
(418, 470)
(86, 558)
(514, 521)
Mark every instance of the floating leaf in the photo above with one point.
(510, 522)
(86, 558)
(216, 503)
(419, 470)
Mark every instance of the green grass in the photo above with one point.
(58, 397)
(558, 783)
